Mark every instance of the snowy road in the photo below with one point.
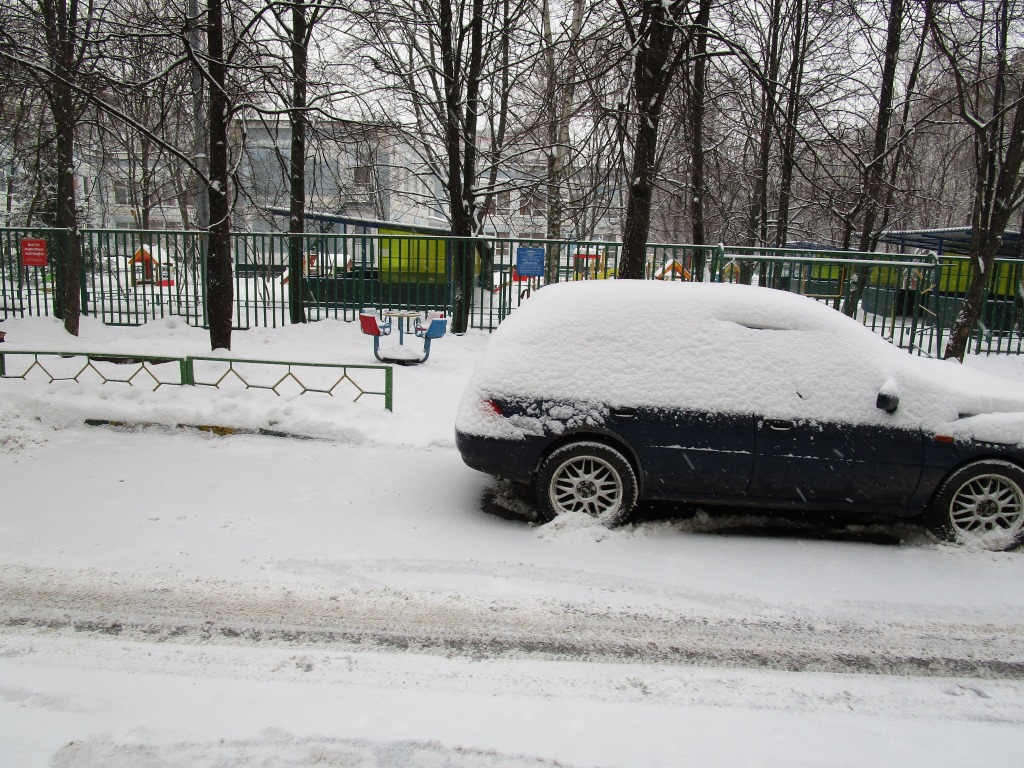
(217, 613)
(136, 630)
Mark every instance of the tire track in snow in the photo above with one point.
(155, 609)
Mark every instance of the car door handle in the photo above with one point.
(624, 413)
(779, 425)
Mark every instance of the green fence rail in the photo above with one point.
(152, 372)
(130, 277)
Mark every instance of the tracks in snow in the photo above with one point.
(150, 609)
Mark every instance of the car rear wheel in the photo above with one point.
(981, 504)
(592, 478)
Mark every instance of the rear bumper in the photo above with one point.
(514, 460)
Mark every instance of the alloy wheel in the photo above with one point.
(987, 505)
(586, 484)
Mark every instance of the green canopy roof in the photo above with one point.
(354, 221)
(956, 241)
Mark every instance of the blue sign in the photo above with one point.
(530, 262)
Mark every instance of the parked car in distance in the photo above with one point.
(598, 394)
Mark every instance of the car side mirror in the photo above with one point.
(888, 401)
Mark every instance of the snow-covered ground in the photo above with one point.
(170, 597)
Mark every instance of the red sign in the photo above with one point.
(33, 253)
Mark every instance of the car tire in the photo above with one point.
(981, 505)
(587, 477)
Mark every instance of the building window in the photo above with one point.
(499, 203)
(532, 203)
(322, 176)
(362, 176)
(362, 166)
(120, 194)
(501, 248)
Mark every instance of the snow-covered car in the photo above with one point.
(599, 394)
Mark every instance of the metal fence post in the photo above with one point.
(717, 263)
(936, 274)
(57, 272)
(83, 293)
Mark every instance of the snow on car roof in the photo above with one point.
(714, 347)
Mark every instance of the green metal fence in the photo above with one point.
(1001, 325)
(132, 276)
(151, 372)
(893, 299)
(29, 289)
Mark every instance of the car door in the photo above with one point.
(686, 453)
(820, 436)
(816, 461)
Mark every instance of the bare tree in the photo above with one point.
(658, 33)
(768, 76)
(799, 48)
(559, 100)
(696, 82)
(982, 48)
(65, 66)
(141, 81)
(298, 43)
(438, 66)
(873, 193)
(221, 290)
(55, 43)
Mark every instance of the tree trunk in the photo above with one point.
(485, 250)
(219, 286)
(638, 205)
(657, 59)
(297, 203)
(874, 173)
(698, 90)
(1005, 190)
(793, 110)
(554, 200)
(199, 137)
(60, 21)
(757, 214)
(146, 190)
(70, 271)
(559, 103)
(460, 143)
(979, 68)
(757, 224)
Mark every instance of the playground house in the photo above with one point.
(148, 268)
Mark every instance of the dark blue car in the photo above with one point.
(602, 393)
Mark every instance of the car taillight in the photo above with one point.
(493, 407)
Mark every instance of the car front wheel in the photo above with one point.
(981, 504)
(592, 478)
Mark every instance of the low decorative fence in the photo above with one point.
(153, 372)
(129, 277)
